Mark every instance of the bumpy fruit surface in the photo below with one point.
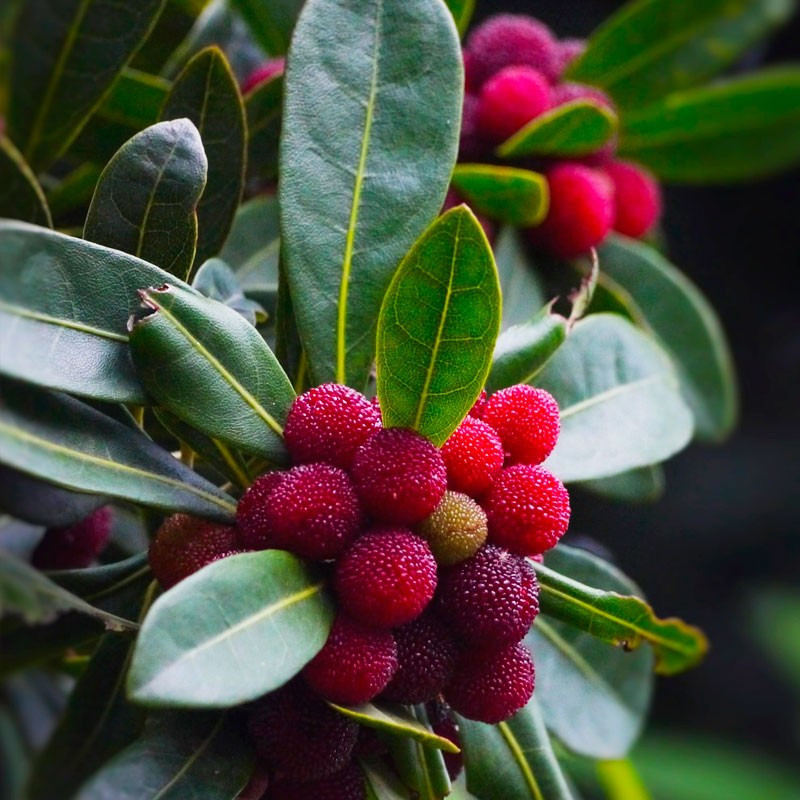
(400, 477)
(251, 513)
(527, 421)
(74, 546)
(355, 665)
(473, 456)
(347, 784)
(184, 544)
(637, 198)
(527, 509)
(509, 100)
(386, 577)
(328, 423)
(490, 686)
(456, 530)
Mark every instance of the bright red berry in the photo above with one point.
(355, 665)
(74, 546)
(328, 423)
(528, 510)
(509, 100)
(456, 530)
(473, 456)
(637, 198)
(400, 477)
(477, 408)
(251, 513)
(347, 784)
(184, 544)
(270, 69)
(527, 421)
(491, 686)
(386, 578)
(569, 50)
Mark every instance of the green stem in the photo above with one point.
(621, 781)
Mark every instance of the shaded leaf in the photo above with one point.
(217, 281)
(74, 191)
(462, 11)
(640, 485)
(421, 769)
(263, 109)
(270, 23)
(135, 99)
(522, 290)
(382, 783)
(21, 197)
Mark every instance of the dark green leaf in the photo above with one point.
(508, 194)
(462, 11)
(370, 135)
(74, 191)
(62, 440)
(653, 47)
(217, 281)
(66, 55)
(207, 93)
(382, 782)
(522, 290)
(640, 485)
(202, 640)
(437, 328)
(270, 23)
(733, 131)
(619, 398)
(135, 99)
(146, 199)
(573, 129)
(188, 340)
(263, 108)
(773, 622)
(21, 197)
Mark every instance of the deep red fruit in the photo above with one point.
(453, 761)
(400, 477)
(74, 546)
(298, 734)
(386, 578)
(528, 510)
(569, 50)
(251, 513)
(509, 100)
(347, 784)
(637, 198)
(473, 456)
(471, 144)
(490, 686)
(581, 210)
(328, 423)
(184, 544)
(486, 601)
(526, 420)
(426, 657)
(355, 664)
(508, 40)
(313, 512)
(263, 73)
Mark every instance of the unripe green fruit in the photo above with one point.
(456, 530)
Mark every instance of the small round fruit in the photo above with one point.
(347, 784)
(509, 100)
(270, 69)
(456, 530)
(473, 456)
(637, 198)
(251, 512)
(471, 144)
(74, 546)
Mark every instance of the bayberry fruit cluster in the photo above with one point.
(514, 69)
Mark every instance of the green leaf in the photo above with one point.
(217, 281)
(74, 191)
(572, 129)
(640, 485)
(437, 328)
(270, 23)
(207, 93)
(382, 782)
(188, 340)
(62, 440)
(593, 696)
(263, 109)
(522, 290)
(462, 11)
(508, 194)
(667, 303)
(198, 637)
(199, 756)
(146, 199)
(371, 125)
(65, 58)
(135, 99)
(623, 620)
(733, 131)
(513, 760)
(21, 197)
(653, 47)
(619, 398)
(773, 621)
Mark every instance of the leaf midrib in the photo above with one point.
(609, 394)
(520, 759)
(39, 316)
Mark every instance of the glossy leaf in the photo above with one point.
(640, 485)
(371, 125)
(206, 92)
(619, 398)
(135, 99)
(201, 642)
(217, 281)
(437, 328)
(508, 194)
(462, 11)
(187, 340)
(653, 47)
(263, 109)
(667, 303)
(21, 197)
(733, 131)
(573, 129)
(60, 439)
(421, 769)
(270, 23)
(65, 58)
(522, 290)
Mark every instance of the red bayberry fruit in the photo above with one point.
(477, 408)
(637, 198)
(569, 50)
(471, 145)
(347, 784)
(298, 734)
(485, 600)
(581, 210)
(386, 578)
(509, 100)
(473, 456)
(526, 420)
(328, 423)
(527, 509)
(512, 40)
(456, 529)
(264, 72)
(355, 664)
(74, 546)
(184, 544)
(490, 686)
(251, 513)
(426, 657)
(400, 477)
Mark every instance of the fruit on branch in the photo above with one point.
(473, 456)
(511, 99)
(251, 512)
(74, 546)
(443, 724)
(637, 198)
(456, 530)
(347, 784)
